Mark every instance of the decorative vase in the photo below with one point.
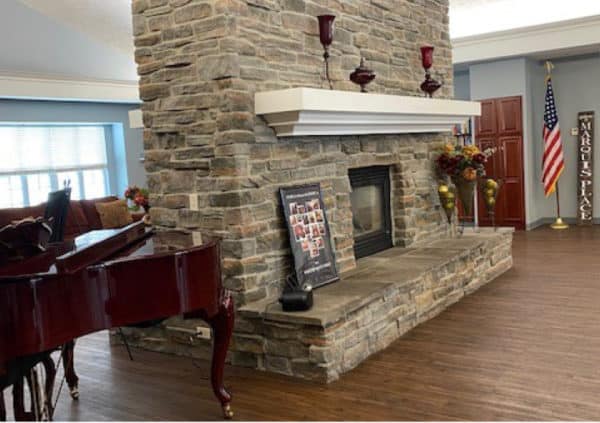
(362, 75)
(147, 219)
(465, 190)
(447, 196)
(132, 206)
(489, 189)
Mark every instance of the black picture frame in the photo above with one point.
(310, 237)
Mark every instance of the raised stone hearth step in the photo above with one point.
(371, 306)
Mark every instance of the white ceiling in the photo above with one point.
(73, 40)
(108, 21)
(473, 17)
(92, 39)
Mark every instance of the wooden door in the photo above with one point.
(500, 126)
(486, 123)
(509, 116)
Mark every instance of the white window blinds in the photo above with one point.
(37, 159)
(26, 149)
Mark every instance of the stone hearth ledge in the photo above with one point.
(370, 307)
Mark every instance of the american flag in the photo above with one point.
(553, 160)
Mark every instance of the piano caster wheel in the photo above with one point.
(227, 411)
(75, 393)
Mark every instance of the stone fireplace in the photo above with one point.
(215, 169)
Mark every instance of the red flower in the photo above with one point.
(140, 200)
(131, 192)
(479, 158)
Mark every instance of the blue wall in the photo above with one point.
(462, 85)
(127, 144)
(575, 91)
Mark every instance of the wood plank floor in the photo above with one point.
(524, 347)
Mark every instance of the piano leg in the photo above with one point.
(50, 370)
(222, 325)
(2, 407)
(68, 357)
(34, 394)
(18, 402)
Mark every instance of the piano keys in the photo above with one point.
(108, 279)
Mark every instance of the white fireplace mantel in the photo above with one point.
(311, 111)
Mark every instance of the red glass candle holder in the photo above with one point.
(430, 85)
(427, 56)
(326, 29)
(326, 37)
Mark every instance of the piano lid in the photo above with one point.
(87, 249)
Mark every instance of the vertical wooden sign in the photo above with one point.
(585, 168)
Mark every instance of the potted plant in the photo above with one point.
(137, 198)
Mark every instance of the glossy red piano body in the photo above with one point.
(50, 300)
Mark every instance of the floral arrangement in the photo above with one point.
(463, 164)
(466, 161)
(138, 197)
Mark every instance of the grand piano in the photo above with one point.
(104, 279)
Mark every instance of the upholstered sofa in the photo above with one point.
(82, 216)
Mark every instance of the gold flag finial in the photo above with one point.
(549, 67)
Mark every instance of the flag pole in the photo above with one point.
(558, 223)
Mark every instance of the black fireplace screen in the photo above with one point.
(371, 217)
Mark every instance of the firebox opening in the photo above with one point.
(371, 216)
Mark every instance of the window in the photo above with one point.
(36, 159)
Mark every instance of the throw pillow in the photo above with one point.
(114, 214)
(91, 214)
